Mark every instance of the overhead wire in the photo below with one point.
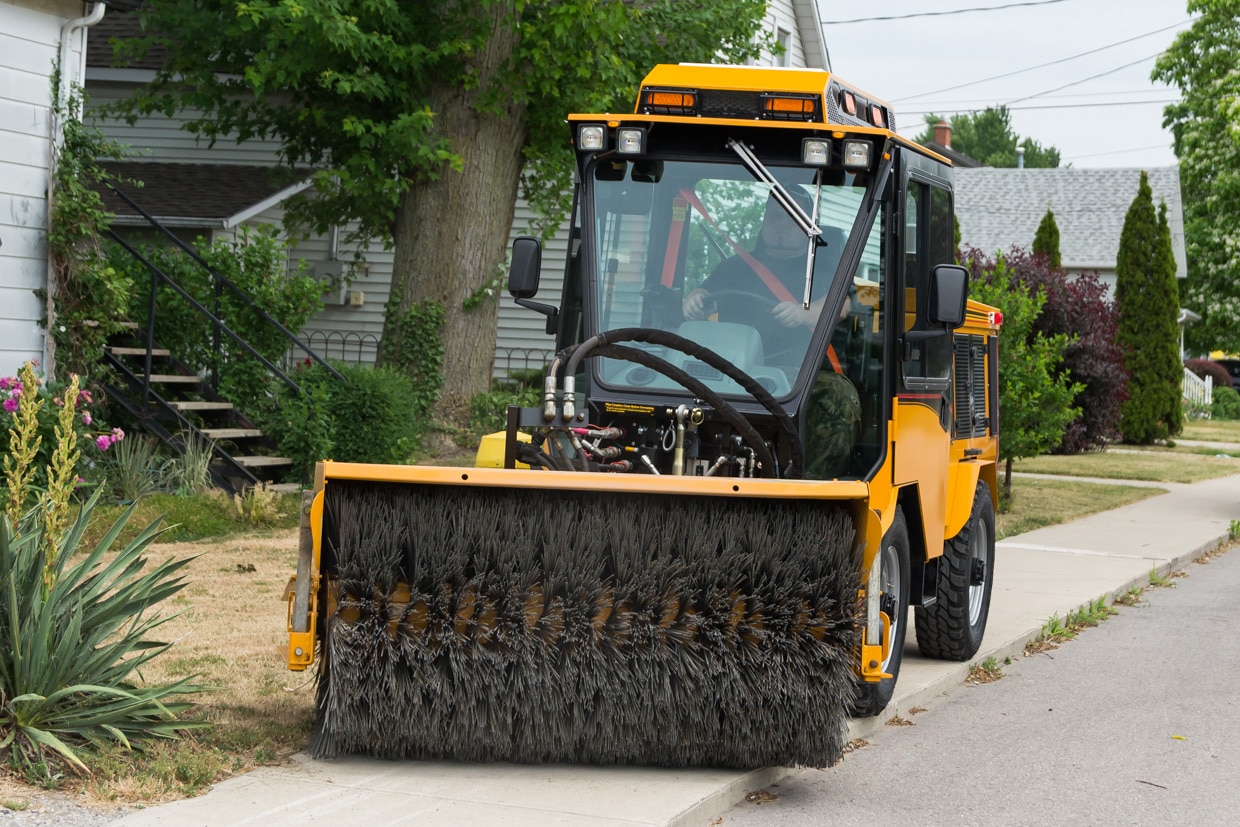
(942, 13)
(1043, 65)
(1085, 80)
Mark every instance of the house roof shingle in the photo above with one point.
(210, 192)
(1001, 208)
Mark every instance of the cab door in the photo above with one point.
(923, 404)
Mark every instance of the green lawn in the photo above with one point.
(1152, 466)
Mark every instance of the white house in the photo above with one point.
(35, 35)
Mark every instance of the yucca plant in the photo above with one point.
(73, 630)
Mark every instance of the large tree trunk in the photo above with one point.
(451, 232)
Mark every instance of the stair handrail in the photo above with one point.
(220, 280)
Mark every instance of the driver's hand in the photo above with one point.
(694, 305)
(794, 314)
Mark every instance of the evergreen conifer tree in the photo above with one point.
(1148, 300)
(1046, 240)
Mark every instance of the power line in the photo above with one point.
(1049, 106)
(971, 103)
(1086, 80)
(941, 13)
(1043, 65)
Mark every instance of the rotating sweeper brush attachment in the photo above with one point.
(532, 625)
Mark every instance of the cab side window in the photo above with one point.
(929, 240)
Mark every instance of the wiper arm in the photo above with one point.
(803, 220)
(759, 171)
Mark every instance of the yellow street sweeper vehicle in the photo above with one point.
(770, 429)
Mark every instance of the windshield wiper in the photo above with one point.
(803, 220)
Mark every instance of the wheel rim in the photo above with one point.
(891, 590)
(978, 546)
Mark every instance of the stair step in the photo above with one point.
(284, 487)
(129, 325)
(138, 351)
(255, 462)
(230, 433)
(198, 405)
(175, 379)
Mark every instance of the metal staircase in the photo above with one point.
(173, 402)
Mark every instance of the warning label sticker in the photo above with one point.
(626, 408)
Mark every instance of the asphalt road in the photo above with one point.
(1136, 721)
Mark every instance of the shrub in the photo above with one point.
(1078, 307)
(1226, 404)
(488, 412)
(372, 418)
(1206, 367)
(1148, 299)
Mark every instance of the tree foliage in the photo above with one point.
(1046, 239)
(1035, 395)
(1205, 124)
(1149, 331)
(987, 136)
(421, 119)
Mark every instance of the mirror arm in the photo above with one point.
(550, 311)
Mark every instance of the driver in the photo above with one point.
(735, 288)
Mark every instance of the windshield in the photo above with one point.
(701, 249)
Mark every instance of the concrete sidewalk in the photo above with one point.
(1038, 574)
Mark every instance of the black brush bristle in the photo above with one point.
(590, 627)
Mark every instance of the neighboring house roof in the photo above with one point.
(200, 195)
(118, 25)
(1001, 208)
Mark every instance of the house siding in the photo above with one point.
(29, 43)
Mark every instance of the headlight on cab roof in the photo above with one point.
(631, 141)
(858, 154)
(591, 136)
(815, 152)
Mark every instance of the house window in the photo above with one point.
(784, 38)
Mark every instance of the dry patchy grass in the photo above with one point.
(1041, 502)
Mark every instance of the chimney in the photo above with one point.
(943, 134)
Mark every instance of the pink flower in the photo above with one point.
(5, 382)
(103, 442)
(86, 418)
(10, 404)
(84, 396)
(117, 434)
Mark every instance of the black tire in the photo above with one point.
(952, 628)
(869, 699)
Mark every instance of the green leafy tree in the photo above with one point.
(1046, 240)
(1035, 396)
(423, 119)
(1201, 62)
(987, 136)
(1148, 300)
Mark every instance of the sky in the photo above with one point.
(906, 62)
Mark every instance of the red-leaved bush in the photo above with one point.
(1080, 307)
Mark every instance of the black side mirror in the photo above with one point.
(526, 263)
(949, 290)
(523, 279)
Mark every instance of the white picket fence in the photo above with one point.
(1197, 391)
